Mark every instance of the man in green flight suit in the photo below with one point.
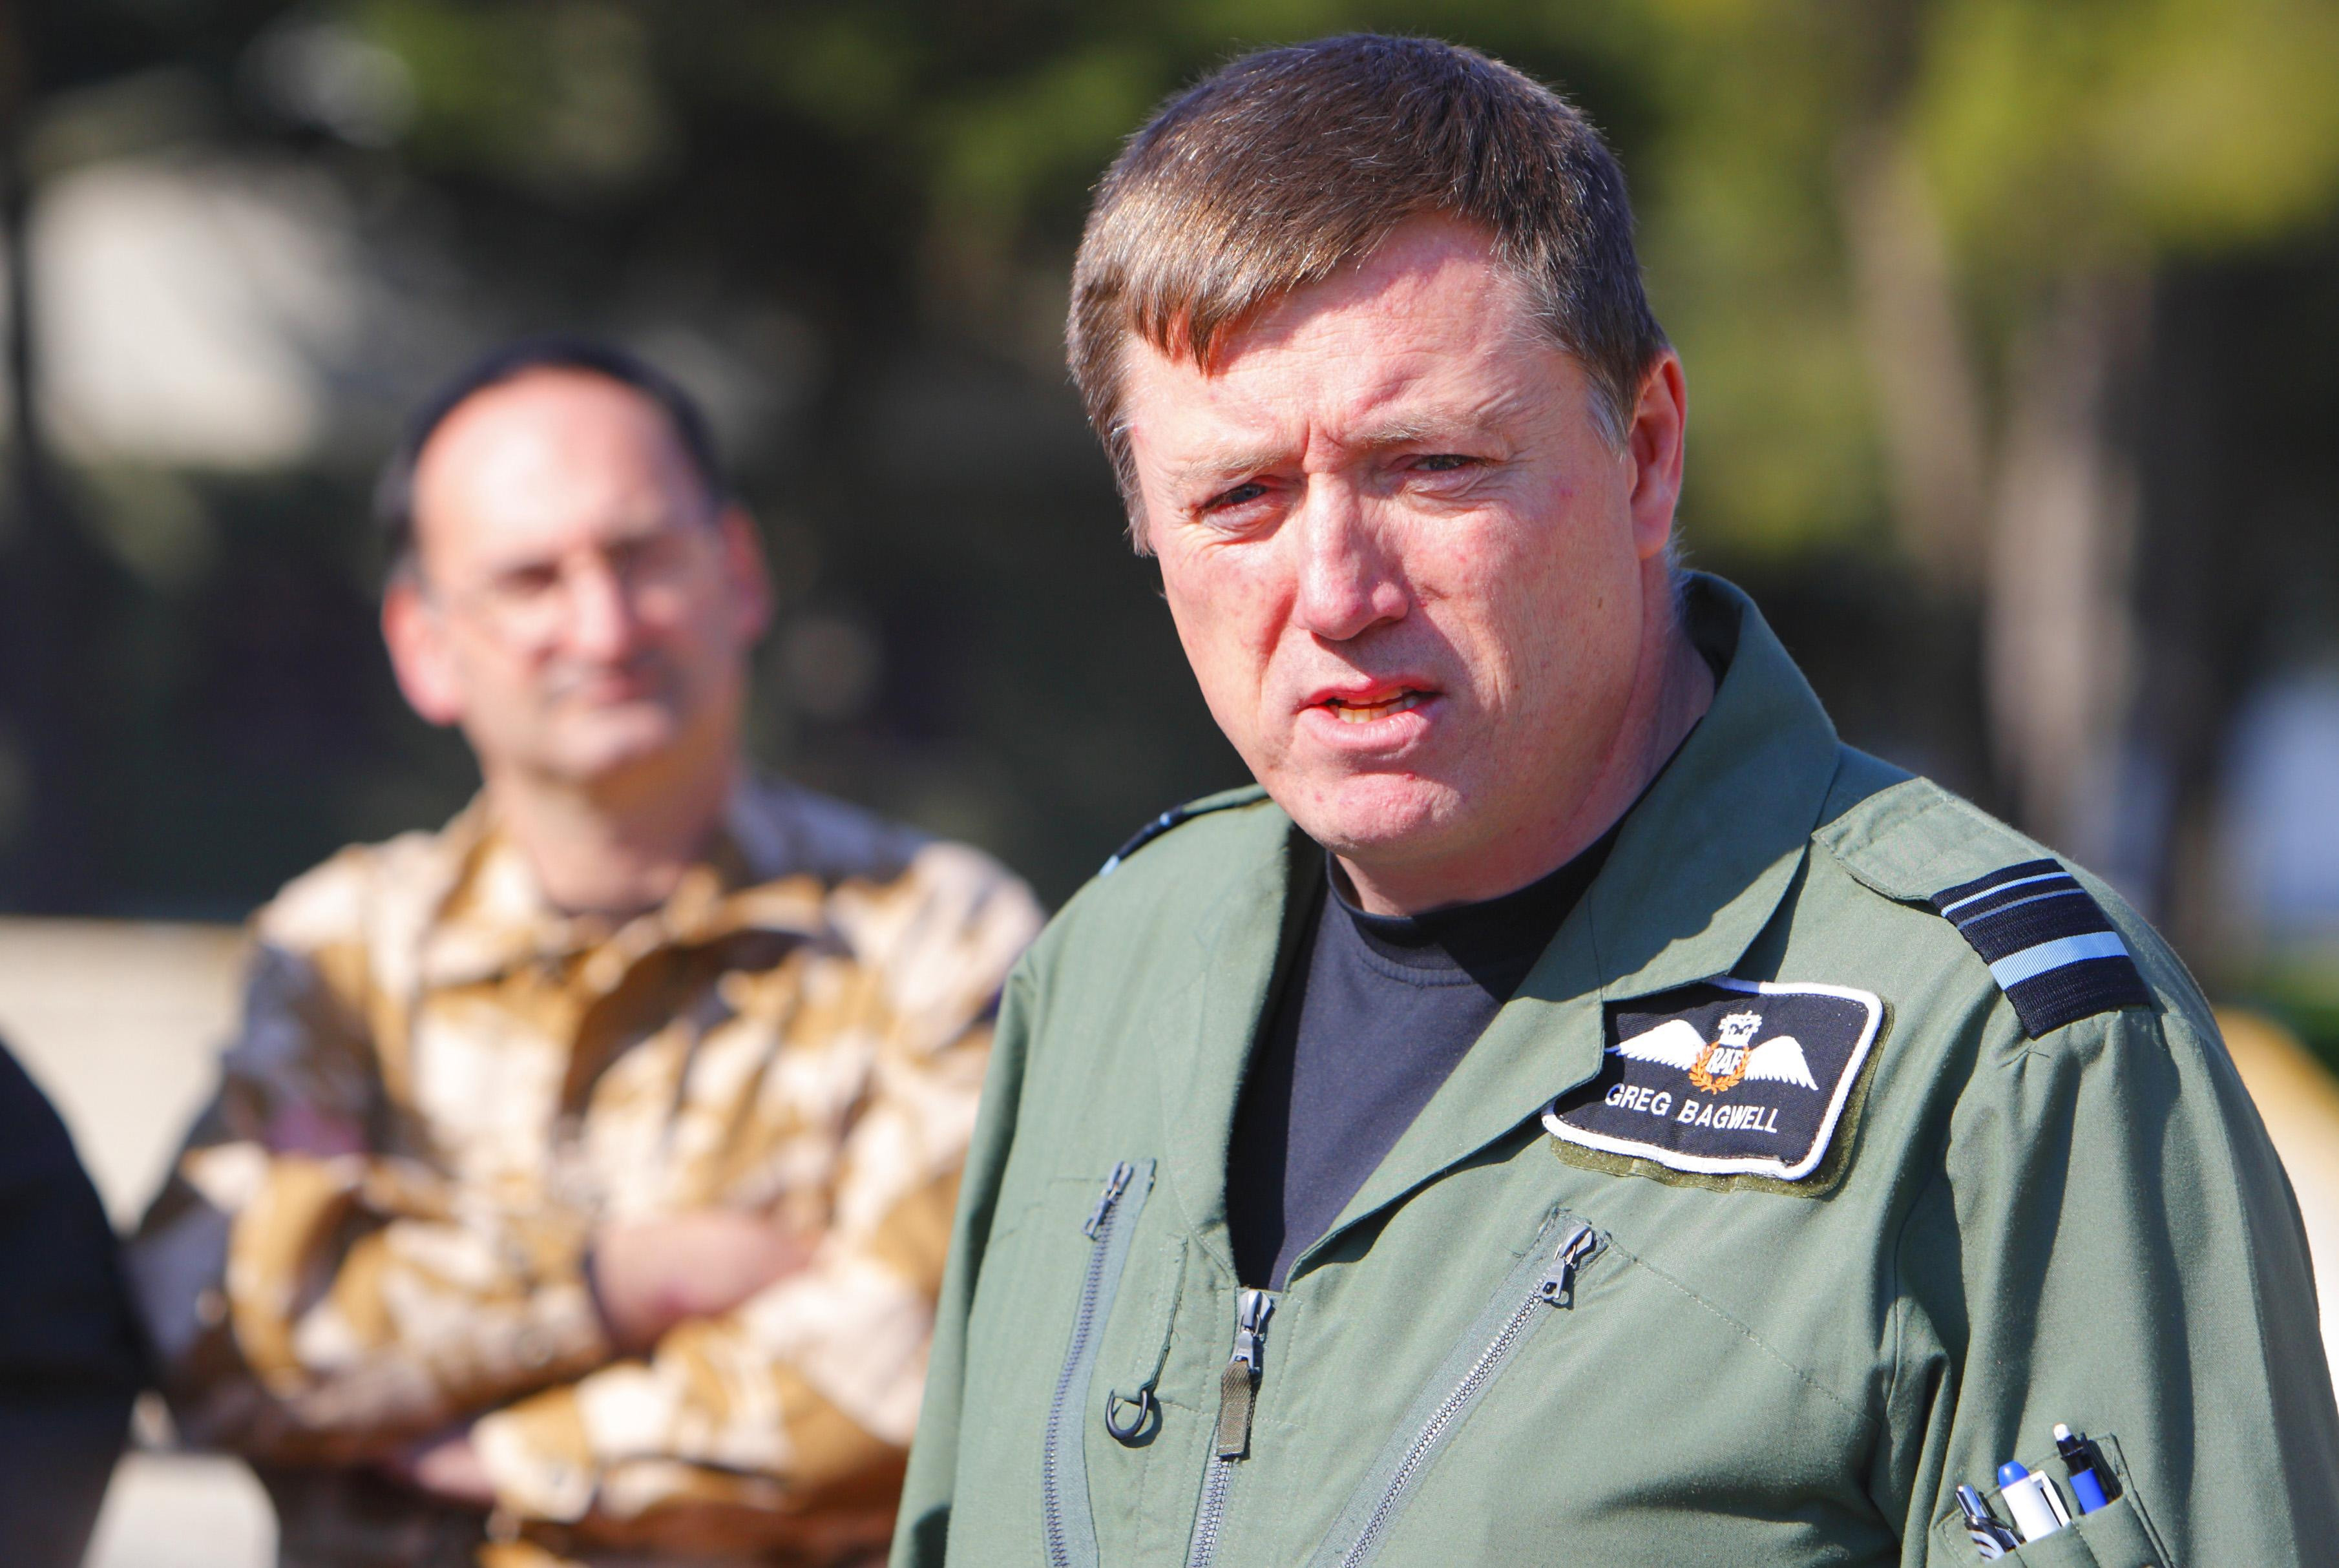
(1578, 1109)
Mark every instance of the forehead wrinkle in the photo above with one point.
(1499, 408)
(1409, 396)
(1352, 404)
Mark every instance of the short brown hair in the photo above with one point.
(1274, 171)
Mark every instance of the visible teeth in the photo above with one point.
(1365, 713)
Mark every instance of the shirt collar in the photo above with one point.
(495, 917)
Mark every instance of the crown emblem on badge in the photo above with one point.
(1719, 1065)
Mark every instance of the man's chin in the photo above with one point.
(615, 746)
(1376, 816)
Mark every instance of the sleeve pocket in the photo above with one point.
(2117, 1535)
(2113, 1536)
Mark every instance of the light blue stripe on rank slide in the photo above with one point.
(2032, 961)
(1944, 912)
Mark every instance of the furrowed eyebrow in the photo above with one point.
(1214, 474)
(1218, 472)
(1402, 433)
(1467, 427)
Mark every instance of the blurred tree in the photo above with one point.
(1974, 196)
(2074, 151)
(1911, 249)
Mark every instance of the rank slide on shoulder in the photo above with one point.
(1724, 1078)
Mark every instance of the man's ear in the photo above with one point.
(744, 570)
(1653, 449)
(418, 651)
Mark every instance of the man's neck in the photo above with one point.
(609, 847)
(1672, 691)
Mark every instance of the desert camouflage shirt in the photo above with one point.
(443, 1085)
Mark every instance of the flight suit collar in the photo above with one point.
(1246, 938)
(1705, 855)
(1697, 871)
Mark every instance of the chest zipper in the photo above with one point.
(1553, 1287)
(1069, 1530)
(1230, 1444)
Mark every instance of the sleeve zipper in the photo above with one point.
(1388, 1487)
(1114, 1185)
(1068, 1530)
(1557, 1286)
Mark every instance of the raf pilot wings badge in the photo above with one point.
(1724, 1078)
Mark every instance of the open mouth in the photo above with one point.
(1364, 713)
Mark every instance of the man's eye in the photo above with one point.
(1236, 496)
(1442, 463)
(527, 582)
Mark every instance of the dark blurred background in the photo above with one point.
(2012, 330)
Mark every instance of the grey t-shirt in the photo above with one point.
(1375, 1012)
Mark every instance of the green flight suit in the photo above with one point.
(1515, 1350)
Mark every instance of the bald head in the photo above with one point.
(506, 466)
(557, 352)
(580, 602)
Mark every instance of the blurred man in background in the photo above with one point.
(578, 1182)
(69, 1363)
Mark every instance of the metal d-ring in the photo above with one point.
(1114, 1399)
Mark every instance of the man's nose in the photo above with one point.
(602, 622)
(1349, 576)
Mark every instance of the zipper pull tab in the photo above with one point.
(1252, 1309)
(1557, 1286)
(1239, 1383)
(1114, 1185)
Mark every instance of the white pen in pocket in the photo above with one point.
(2037, 1508)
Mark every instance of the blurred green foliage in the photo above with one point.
(2056, 134)
(2302, 989)
(899, 183)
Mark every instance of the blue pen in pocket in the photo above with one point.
(2079, 1459)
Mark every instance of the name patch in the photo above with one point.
(1724, 1078)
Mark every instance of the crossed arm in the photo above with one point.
(646, 1279)
(706, 1376)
